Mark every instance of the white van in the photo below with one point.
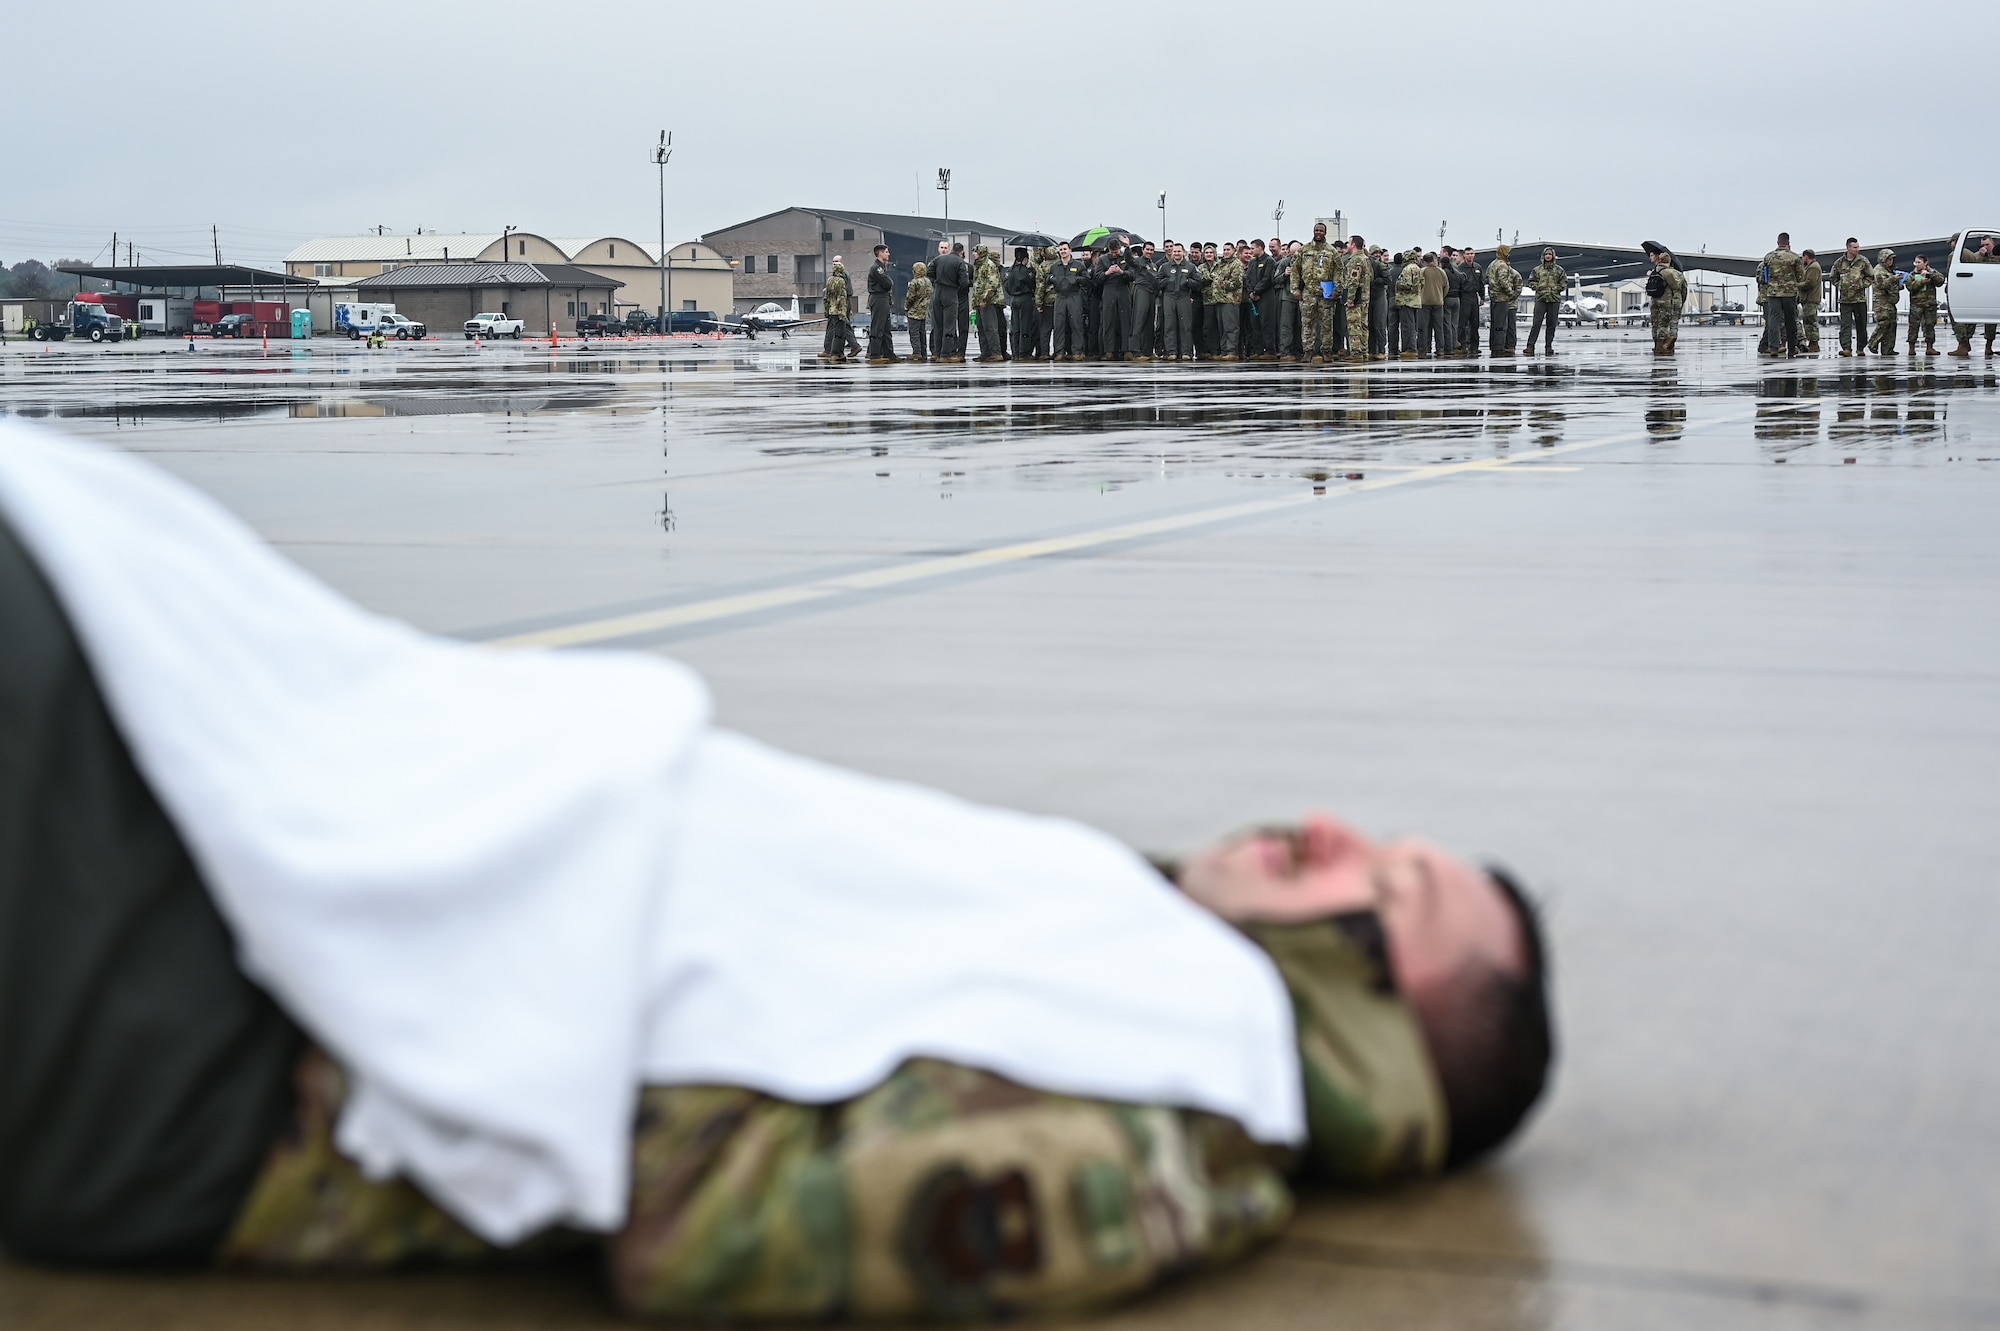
(1972, 284)
(358, 320)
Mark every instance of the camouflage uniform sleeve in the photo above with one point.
(944, 1193)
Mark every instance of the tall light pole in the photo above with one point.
(1441, 227)
(944, 183)
(660, 156)
(1278, 218)
(1162, 205)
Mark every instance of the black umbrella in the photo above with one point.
(1033, 240)
(1099, 235)
(1655, 247)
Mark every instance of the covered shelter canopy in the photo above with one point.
(186, 275)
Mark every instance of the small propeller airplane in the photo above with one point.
(771, 317)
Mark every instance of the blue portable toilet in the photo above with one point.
(302, 324)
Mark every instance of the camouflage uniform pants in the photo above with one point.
(1923, 326)
(1809, 325)
(1966, 332)
(942, 1192)
(1884, 340)
(1666, 320)
(1357, 327)
(1312, 324)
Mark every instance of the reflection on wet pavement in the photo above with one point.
(1700, 647)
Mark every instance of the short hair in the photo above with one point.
(958, 247)
(880, 249)
(1784, 237)
(1020, 252)
(1493, 1057)
(1852, 241)
(1358, 240)
(1809, 254)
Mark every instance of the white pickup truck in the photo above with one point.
(1972, 288)
(492, 325)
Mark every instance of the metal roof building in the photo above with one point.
(445, 295)
(788, 253)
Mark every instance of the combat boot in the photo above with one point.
(1963, 350)
(1317, 360)
(1289, 360)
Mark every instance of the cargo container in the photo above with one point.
(166, 314)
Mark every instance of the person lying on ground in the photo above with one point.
(328, 945)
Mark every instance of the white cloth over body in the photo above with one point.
(507, 888)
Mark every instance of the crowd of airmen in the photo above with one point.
(1789, 287)
(1316, 302)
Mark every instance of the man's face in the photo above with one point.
(1319, 231)
(1149, 251)
(1228, 251)
(1293, 248)
(944, 247)
(1548, 256)
(1853, 248)
(1439, 914)
(1276, 245)
(1178, 253)
(1062, 251)
(1471, 257)
(1986, 247)
(1258, 247)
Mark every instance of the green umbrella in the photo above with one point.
(1097, 233)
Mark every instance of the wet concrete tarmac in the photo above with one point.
(1706, 650)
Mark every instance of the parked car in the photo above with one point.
(638, 321)
(492, 325)
(403, 330)
(600, 325)
(698, 321)
(232, 325)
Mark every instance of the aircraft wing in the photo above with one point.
(1625, 263)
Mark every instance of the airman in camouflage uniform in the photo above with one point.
(1888, 288)
(1409, 301)
(943, 1192)
(1504, 286)
(1045, 302)
(1226, 285)
(1811, 286)
(835, 295)
(987, 294)
(1549, 282)
(917, 309)
(1311, 266)
(1923, 284)
(1668, 304)
(1357, 279)
(1784, 273)
(1851, 279)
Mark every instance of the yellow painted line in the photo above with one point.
(896, 575)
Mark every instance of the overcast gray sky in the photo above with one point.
(1696, 123)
